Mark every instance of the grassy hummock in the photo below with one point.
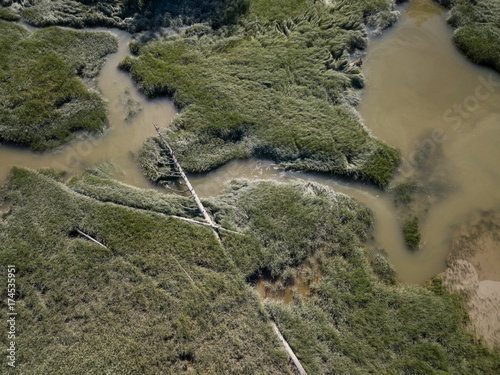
(166, 298)
(291, 221)
(277, 84)
(7, 15)
(411, 233)
(42, 96)
(477, 34)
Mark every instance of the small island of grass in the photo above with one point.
(43, 99)
(276, 82)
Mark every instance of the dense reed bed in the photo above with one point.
(278, 83)
(43, 99)
(165, 297)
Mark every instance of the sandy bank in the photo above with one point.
(473, 269)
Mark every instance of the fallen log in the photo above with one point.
(215, 226)
(186, 181)
(289, 350)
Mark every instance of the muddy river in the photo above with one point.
(422, 96)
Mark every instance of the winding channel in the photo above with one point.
(421, 96)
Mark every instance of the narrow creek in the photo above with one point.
(421, 96)
(130, 117)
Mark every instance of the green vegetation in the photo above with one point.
(357, 319)
(291, 221)
(7, 15)
(382, 268)
(130, 15)
(412, 233)
(42, 99)
(277, 84)
(478, 29)
(132, 308)
(403, 193)
(354, 325)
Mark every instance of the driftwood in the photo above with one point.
(90, 238)
(289, 350)
(182, 268)
(214, 226)
(186, 181)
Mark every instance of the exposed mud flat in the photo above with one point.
(473, 269)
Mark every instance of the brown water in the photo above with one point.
(416, 81)
(125, 134)
(443, 112)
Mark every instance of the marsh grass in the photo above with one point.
(411, 233)
(7, 15)
(280, 88)
(403, 193)
(130, 15)
(477, 33)
(129, 308)
(357, 319)
(354, 325)
(291, 221)
(43, 99)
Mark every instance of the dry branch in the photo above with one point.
(90, 238)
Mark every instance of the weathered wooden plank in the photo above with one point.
(289, 350)
(186, 181)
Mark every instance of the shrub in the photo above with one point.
(411, 233)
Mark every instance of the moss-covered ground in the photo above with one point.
(133, 308)
(278, 83)
(43, 99)
(477, 24)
